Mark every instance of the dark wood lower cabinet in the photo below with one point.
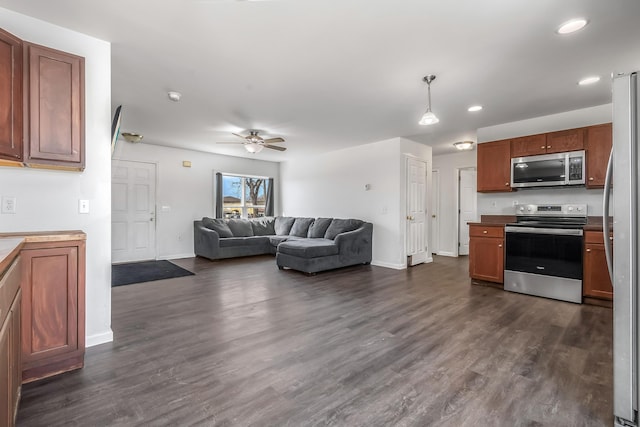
(10, 364)
(596, 282)
(486, 253)
(53, 314)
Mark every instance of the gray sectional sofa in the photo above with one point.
(309, 245)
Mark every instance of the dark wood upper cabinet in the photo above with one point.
(494, 166)
(10, 97)
(55, 108)
(598, 148)
(529, 145)
(565, 140)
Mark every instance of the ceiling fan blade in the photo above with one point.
(239, 136)
(274, 147)
(273, 140)
(229, 142)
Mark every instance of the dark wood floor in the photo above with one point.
(242, 343)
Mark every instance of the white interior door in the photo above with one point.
(133, 211)
(435, 211)
(416, 211)
(468, 207)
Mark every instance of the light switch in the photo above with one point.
(83, 206)
(8, 205)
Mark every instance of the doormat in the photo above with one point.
(146, 271)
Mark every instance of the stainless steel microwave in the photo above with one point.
(548, 170)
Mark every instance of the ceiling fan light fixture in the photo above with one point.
(428, 118)
(253, 148)
(463, 145)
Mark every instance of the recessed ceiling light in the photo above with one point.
(572, 26)
(589, 80)
(174, 96)
(475, 108)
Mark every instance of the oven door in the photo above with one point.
(545, 251)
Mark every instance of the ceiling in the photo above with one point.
(330, 74)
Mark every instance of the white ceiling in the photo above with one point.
(329, 74)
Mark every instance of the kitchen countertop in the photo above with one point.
(47, 236)
(9, 250)
(594, 223)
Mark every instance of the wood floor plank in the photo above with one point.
(242, 343)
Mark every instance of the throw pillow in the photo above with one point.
(319, 227)
(300, 227)
(240, 227)
(338, 226)
(218, 225)
(263, 226)
(283, 225)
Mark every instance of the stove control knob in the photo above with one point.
(579, 208)
(521, 208)
(529, 209)
(570, 208)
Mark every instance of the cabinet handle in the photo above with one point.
(484, 231)
(506, 183)
(542, 147)
(590, 178)
(500, 245)
(588, 250)
(548, 146)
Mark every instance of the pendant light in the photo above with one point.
(428, 118)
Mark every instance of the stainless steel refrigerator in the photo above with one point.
(623, 268)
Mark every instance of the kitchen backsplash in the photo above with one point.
(503, 203)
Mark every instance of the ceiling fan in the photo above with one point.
(254, 143)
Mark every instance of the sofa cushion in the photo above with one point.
(300, 227)
(338, 226)
(240, 227)
(308, 248)
(283, 225)
(263, 226)
(319, 227)
(243, 241)
(218, 225)
(276, 240)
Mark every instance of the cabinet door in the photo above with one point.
(596, 281)
(55, 108)
(49, 310)
(565, 140)
(529, 145)
(598, 146)
(494, 166)
(15, 354)
(5, 374)
(10, 97)
(486, 259)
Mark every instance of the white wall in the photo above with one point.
(333, 185)
(448, 165)
(48, 200)
(502, 203)
(188, 192)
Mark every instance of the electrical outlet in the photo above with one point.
(8, 205)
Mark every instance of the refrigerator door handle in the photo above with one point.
(605, 215)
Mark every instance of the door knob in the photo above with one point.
(433, 216)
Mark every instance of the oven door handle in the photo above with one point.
(536, 230)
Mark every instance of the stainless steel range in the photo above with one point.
(544, 251)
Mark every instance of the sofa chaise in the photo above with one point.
(309, 245)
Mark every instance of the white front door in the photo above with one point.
(416, 211)
(435, 211)
(467, 203)
(133, 211)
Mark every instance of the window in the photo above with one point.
(243, 197)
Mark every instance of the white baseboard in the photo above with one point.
(101, 338)
(443, 253)
(176, 256)
(429, 259)
(389, 265)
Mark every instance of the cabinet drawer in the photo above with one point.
(595, 237)
(486, 231)
(9, 285)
